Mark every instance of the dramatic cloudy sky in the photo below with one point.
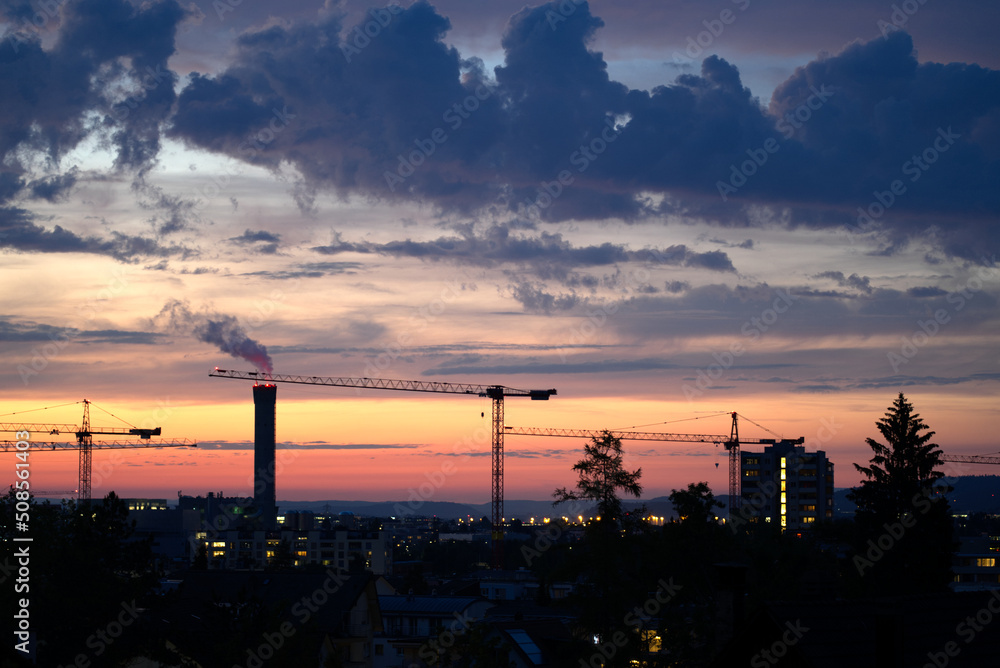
(666, 210)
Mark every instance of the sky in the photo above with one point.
(667, 211)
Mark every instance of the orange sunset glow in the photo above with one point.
(663, 238)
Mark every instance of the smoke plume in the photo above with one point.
(219, 329)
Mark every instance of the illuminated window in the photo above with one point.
(782, 485)
(987, 562)
(784, 521)
(783, 510)
(808, 520)
(782, 474)
(783, 501)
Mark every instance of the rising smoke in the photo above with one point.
(219, 329)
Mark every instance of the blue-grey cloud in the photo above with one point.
(307, 445)
(362, 125)
(25, 331)
(19, 231)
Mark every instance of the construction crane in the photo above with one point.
(731, 443)
(495, 392)
(85, 443)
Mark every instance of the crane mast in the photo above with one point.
(496, 393)
(85, 442)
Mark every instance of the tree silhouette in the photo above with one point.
(601, 476)
(696, 504)
(605, 564)
(905, 530)
(89, 573)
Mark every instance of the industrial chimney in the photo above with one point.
(264, 400)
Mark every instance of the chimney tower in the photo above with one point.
(264, 498)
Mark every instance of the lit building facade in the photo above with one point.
(240, 549)
(786, 485)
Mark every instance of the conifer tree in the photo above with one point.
(903, 518)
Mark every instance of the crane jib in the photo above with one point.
(496, 392)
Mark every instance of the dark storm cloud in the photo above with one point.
(252, 237)
(25, 331)
(105, 76)
(308, 270)
(831, 385)
(99, 42)
(601, 366)
(548, 254)
(52, 188)
(926, 291)
(400, 115)
(18, 231)
(533, 297)
(260, 241)
(859, 283)
(292, 95)
(749, 313)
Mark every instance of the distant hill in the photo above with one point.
(971, 494)
(516, 508)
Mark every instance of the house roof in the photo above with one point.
(332, 593)
(539, 642)
(426, 605)
(215, 612)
